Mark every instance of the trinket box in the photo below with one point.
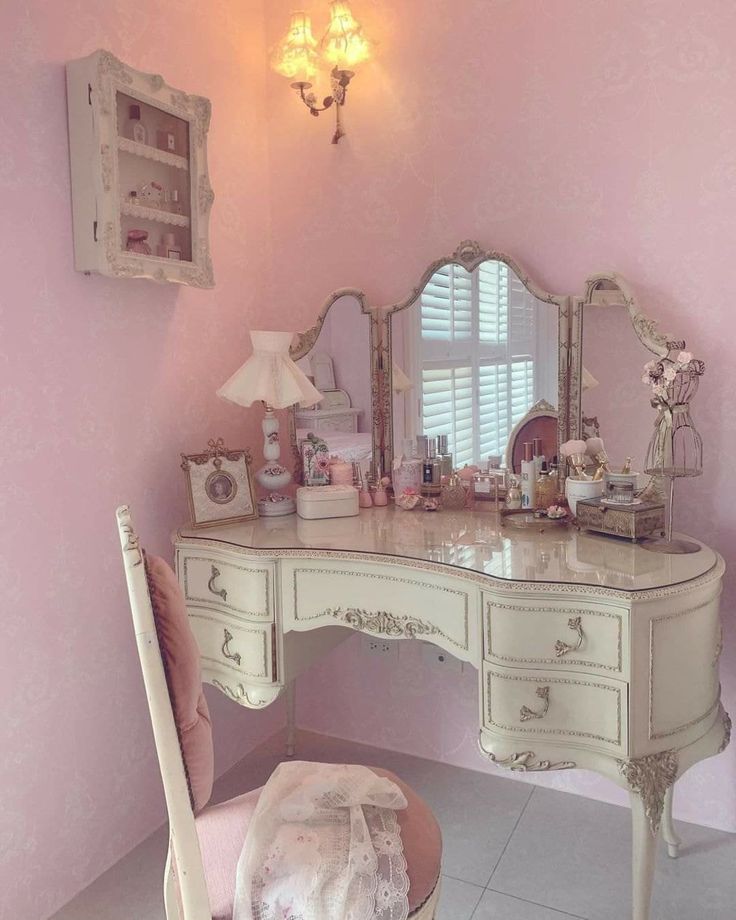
(633, 521)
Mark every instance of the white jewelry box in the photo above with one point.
(316, 502)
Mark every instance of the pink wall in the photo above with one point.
(102, 384)
(580, 135)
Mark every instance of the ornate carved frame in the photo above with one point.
(305, 342)
(605, 288)
(609, 289)
(469, 255)
(114, 76)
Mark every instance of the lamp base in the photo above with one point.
(276, 505)
(670, 547)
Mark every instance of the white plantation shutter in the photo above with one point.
(476, 358)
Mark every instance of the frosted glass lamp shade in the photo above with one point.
(270, 375)
(295, 56)
(344, 45)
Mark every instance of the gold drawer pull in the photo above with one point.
(525, 713)
(563, 648)
(220, 592)
(233, 656)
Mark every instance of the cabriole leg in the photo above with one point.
(643, 855)
(291, 718)
(668, 827)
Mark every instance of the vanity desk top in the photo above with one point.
(474, 541)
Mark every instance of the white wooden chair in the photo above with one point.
(205, 840)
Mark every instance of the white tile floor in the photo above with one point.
(511, 851)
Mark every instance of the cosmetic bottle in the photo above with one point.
(446, 459)
(537, 454)
(454, 495)
(513, 494)
(546, 490)
(528, 478)
(134, 128)
(431, 469)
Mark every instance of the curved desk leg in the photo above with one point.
(643, 856)
(291, 718)
(668, 828)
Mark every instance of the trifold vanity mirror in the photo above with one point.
(480, 352)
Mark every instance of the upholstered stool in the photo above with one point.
(205, 841)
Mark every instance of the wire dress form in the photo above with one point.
(676, 448)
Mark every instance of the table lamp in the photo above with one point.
(271, 376)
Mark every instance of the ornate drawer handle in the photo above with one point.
(525, 713)
(233, 656)
(562, 648)
(221, 592)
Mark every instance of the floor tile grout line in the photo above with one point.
(508, 839)
(463, 881)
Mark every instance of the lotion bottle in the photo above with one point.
(528, 478)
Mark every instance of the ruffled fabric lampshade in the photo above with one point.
(270, 375)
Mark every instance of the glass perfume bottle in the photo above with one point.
(546, 490)
(513, 494)
(453, 494)
(446, 459)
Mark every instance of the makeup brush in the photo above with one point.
(574, 451)
(594, 448)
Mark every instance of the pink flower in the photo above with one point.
(684, 357)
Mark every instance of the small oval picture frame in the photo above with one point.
(219, 485)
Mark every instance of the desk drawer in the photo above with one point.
(570, 635)
(227, 583)
(549, 705)
(386, 600)
(232, 647)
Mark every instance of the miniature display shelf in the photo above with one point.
(140, 188)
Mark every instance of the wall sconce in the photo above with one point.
(298, 57)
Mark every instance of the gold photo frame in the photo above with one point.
(219, 486)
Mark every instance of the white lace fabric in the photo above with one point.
(324, 843)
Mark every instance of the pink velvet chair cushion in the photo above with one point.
(180, 655)
(222, 830)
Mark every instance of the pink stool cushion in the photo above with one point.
(222, 830)
(180, 655)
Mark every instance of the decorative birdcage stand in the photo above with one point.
(676, 448)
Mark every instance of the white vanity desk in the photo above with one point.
(591, 653)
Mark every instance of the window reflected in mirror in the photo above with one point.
(479, 350)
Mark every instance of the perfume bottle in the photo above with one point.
(513, 494)
(482, 486)
(135, 129)
(431, 469)
(446, 459)
(453, 494)
(528, 478)
(537, 454)
(546, 490)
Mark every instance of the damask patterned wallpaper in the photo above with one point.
(579, 136)
(102, 384)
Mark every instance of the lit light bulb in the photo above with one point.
(295, 56)
(344, 45)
